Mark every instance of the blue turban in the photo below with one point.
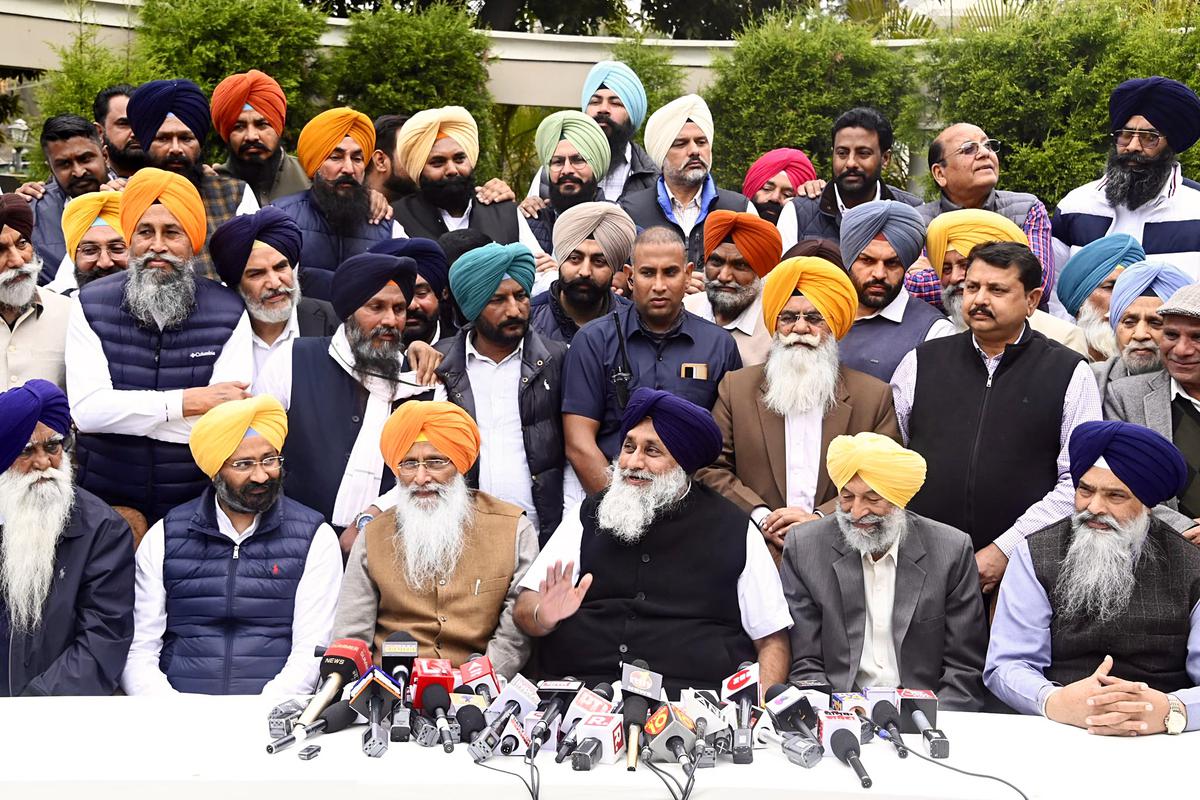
(623, 82)
(360, 278)
(1088, 268)
(430, 258)
(232, 242)
(477, 273)
(1144, 460)
(689, 431)
(899, 223)
(1145, 276)
(1171, 107)
(22, 408)
(151, 102)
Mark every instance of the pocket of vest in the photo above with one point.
(490, 585)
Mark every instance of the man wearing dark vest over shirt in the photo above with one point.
(880, 241)
(999, 467)
(150, 349)
(658, 566)
(1098, 624)
(236, 587)
(679, 138)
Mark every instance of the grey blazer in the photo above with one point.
(1142, 400)
(937, 621)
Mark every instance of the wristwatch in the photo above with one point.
(362, 520)
(1176, 719)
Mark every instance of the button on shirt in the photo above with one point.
(879, 665)
(802, 443)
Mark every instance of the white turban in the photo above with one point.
(664, 125)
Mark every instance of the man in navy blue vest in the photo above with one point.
(236, 587)
(658, 566)
(66, 560)
(150, 348)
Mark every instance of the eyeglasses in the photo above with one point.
(411, 465)
(787, 319)
(270, 464)
(95, 250)
(51, 447)
(969, 149)
(1126, 135)
(558, 162)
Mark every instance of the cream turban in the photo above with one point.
(894, 472)
(416, 137)
(607, 223)
(664, 125)
(217, 434)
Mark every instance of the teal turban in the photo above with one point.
(1088, 268)
(476, 275)
(623, 82)
(581, 131)
(1142, 278)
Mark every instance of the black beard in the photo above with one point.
(583, 293)
(192, 170)
(128, 159)
(618, 136)
(82, 185)
(562, 202)
(452, 195)
(84, 278)
(870, 302)
(867, 192)
(396, 187)
(242, 501)
(381, 361)
(257, 171)
(423, 330)
(507, 334)
(345, 211)
(1134, 179)
(769, 211)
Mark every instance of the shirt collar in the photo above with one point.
(290, 331)
(473, 353)
(1179, 391)
(747, 321)
(837, 196)
(225, 525)
(892, 552)
(893, 311)
(985, 356)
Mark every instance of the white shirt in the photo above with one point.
(524, 232)
(764, 609)
(879, 665)
(802, 449)
(64, 279)
(894, 312)
(686, 214)
(1179, 391)
(264, 351)
(312, 618)
(97, 407)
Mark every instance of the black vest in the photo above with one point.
(990, 444)
(1149, 641)
(421, 218)
(670, 599)
(643, 208)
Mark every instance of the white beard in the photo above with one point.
(626, 510)
(430, 533)
(801, 379)
(1140, 366)
(1097, 577)
(19, 295)
(274, 315)
(162, 298)
(952, 303)
(1096, 330)
(35, 513)
(888, 529)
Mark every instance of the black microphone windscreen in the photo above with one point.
(640, 663)
(710, 696)
(885, 714)
(435, 696)
(470, 720)
(637, 708)
(605, 690)
(338, 716)
(775, 691)
(844, 744)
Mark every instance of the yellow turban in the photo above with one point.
(963, 229)
(175, 192)
(415, 139)
(325, 132)
(444, 425)
(894, 472)
(83, 212)
(826, 287)
(217, 434)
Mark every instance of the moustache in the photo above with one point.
(982, 311)
(511, 322)
(1106, 520)
(273, 293)
(791, 339)
(252, 147)
(84, 181)
(385, 330)
(637, 474)
(344, 180)
(851, 172)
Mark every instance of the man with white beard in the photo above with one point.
(777, 419)
(34, 333)
(657, 566)
(66, 559)
(881, 596)
(1098, 622)
(1085, 287)
(445, 562)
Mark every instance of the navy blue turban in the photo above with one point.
(151, 102)
(1144, 460)
(688, 431)
(430, 258)
(360, 278)
(1171, 107)
(231, 243)
(22, 408)
(477, 273)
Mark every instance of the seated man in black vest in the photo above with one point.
(1098, 623)
(679, 139)
(339, 390)
(151, 348)
(992, 409)
(672, 572)
(236, 587)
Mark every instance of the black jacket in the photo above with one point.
(316, 317)
(421, 218)
(820, 218)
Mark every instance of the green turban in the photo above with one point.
(580, 130)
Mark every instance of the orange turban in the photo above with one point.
(756, 239)
(87, 210)
(444, 425)
(255, 89)
(175, 192)
(826, 287)
(325, 131)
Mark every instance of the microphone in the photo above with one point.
(887, 717)
(791, 710)
(588, 701)
(846, 750)
(436, 699)
(470, 723)
(672, 735)
(427, 672)
(857, 704)
(919, 707)
(601, 740)
(634, 715)
(396, 656)
(742, 688)
(344, 662)
(519, 697)
(713, 731)
(375, 697)
(935, 741)
(797, 748)
(478, 675)
(560, 695)
(337, 716)
(638, 678)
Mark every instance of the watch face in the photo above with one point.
(1175, 722)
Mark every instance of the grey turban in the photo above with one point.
(607, 223)
(899, 223)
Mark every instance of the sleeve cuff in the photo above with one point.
(759, 514)
(1008, 541)
(174, 405)
(1044, 696)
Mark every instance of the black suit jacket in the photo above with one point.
(316, 317)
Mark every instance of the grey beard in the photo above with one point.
(626, 511)
(381, 362)
(273, 316)
(886, 531)
(1141, 366)
(1096, 330)
(952, 304)
(687, 177)
(730, 305)
(800, 380)
(1097, 576)
(161, 298)
(1133, 188)
(15, 295)
(430, 534)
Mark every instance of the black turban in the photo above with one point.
(151, 102)
(688, 431)
(1171, 107)
(231, 243)
(360, 278)
(431, 261)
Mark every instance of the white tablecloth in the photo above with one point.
(213, 749)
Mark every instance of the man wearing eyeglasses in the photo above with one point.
(236, 587)
(1143, 191)
(574, 153)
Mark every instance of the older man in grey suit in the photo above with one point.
(881, 596)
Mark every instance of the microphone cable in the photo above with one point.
(941, 763)
(530, 789)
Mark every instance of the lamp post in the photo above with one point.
(18, 137)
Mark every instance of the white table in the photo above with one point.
(212, 748)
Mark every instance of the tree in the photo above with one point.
(662, 79)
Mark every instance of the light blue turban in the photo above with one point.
(1088, 268)
(476, 275)
(899, 223)
(624, 82)
(1145, 276)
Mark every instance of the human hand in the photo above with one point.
(991, 562)
(33, 190)
(424, 360)
(201, 399)
(559, 598)
(811, 189)
(776, 525)
(530, 206)
(494, 191)
(381, 209)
